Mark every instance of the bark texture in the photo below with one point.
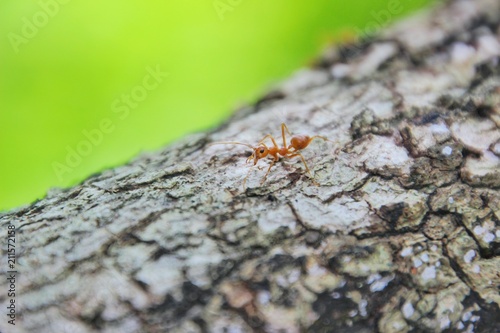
(402, 233)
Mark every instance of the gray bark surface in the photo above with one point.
(401, 234)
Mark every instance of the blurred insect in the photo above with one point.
(261, 150)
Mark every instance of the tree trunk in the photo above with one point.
(398, 231)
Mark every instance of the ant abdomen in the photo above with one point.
(299, 142)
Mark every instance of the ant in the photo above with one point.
(297, 143)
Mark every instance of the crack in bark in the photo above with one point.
(292, 247)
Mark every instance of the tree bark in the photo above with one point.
(401, 233)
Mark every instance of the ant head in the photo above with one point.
(258, 153)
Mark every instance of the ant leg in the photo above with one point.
(320, 137)
(283, 128)
(245, 180)
(265, 176)
(270, 137)
(283, 125)
(305, 164)
(268, 169)
(326, 139)
(303, 161)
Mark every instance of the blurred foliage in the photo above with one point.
(67, 67)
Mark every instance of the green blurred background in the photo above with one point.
(68, 66)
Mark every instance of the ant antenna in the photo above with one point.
(230, 143)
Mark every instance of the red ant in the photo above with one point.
(297, 143)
